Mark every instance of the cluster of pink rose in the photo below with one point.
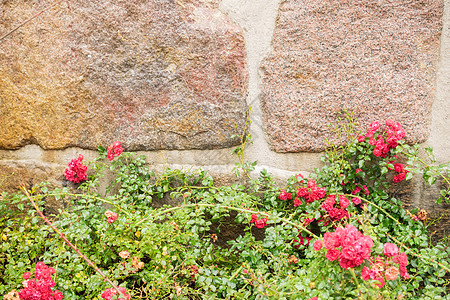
(108, 294)
(394, 133)
(311, 192)
(76, 172)
(261, 223)
(114, 150)
(111, 217)
(354, 246)
(40, 287)
(336, 213)
(401, 172)
(351, 248)
(386, 269)
(364, 189)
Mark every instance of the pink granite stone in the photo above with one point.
(375, 58)
(154, 74)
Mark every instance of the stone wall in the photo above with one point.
(173, 79)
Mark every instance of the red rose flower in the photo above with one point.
(261, 223)
(365, 273)
(390, 249)
(317, 245)
(332, 254)
(343, 201)
(76, 172)
(284, 195)
(114, 150)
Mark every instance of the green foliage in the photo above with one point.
(186, 252)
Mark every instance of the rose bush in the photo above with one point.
(338, 234)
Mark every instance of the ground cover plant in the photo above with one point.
(337, 234)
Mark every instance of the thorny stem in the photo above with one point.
(377, 206)
(93, 197)
(31, 18)
(230, 208)
(356, 280)
(89, 262)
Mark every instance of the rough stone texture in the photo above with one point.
(416, 194)
(30, 173)
(375, 58)
(157, 74)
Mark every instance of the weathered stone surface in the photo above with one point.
(157, 74)
(375, 58)
(416, 194)
(14, 174)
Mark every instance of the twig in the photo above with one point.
(377, 206)
(244, 210)
(89, 262)
(31, 18)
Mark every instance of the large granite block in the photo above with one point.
(374, 58)
(157, 74)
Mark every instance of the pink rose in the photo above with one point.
(390, 249)
(356, 201)
(114, 150)
(330, 241)
(401, 259)
(124, 254)
(317, 245)
(261, 223)
(399, 177)
(338, 213)
(311, 184)
(391, 273)
(76, 172)
(374, 126)
(109, 293)
(284, 195)
(111, 216)
(356, 190)
(346, 263)
(332, 254)
(365, 273)
(377, 152)
(343, 201)
(399, 167)
(348, 253)
(381, 280)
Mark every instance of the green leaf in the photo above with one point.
(431, 180)
(409, 176)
